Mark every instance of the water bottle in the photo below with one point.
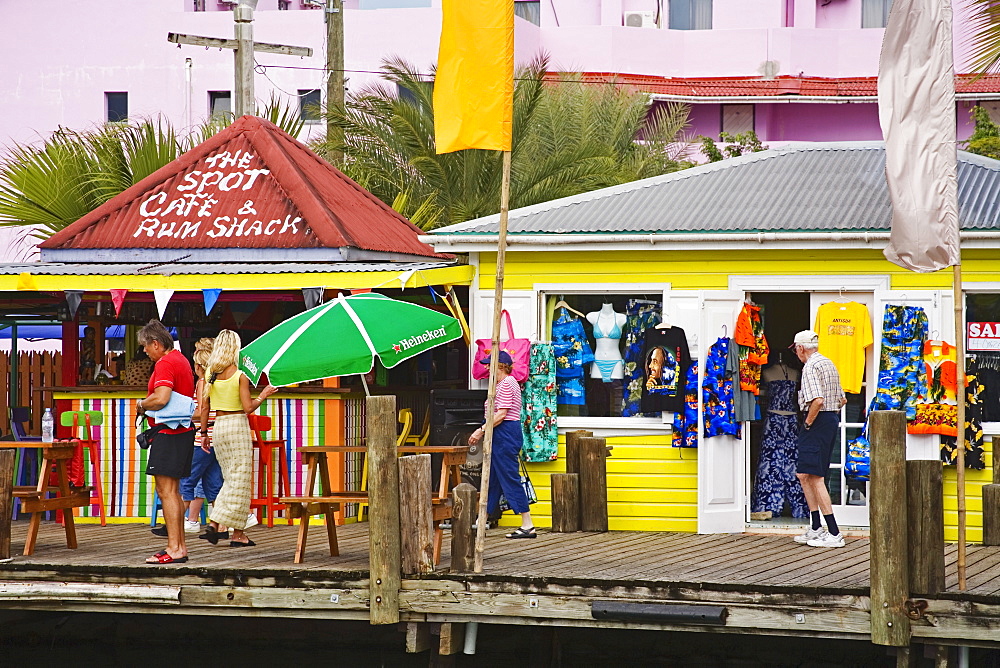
(48, 426)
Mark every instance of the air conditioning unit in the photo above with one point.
(640, 19)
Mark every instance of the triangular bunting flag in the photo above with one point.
(162, 298)
(312, 296)
(211, 295)
(26, 281)
(118, 298)
(241, 311)
(73, 299)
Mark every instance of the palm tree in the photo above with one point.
(50, 185)
(983, 35)
(568, 137)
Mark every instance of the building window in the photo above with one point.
(529, 10)
(199, 5)
(220, 103)
(875, 13)
(116, 107)
(737, 118)
(284, 4)
(309, 105)
(982, 317)
(690, 15)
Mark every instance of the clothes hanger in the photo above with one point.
(663, 324)
(563, 304)
(842, 299)
(724, 331)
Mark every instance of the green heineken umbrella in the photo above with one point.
(343, 336)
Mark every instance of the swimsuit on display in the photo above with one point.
(615, 333)
(607, 367)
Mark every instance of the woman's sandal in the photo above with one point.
(521, 532)
(236, 543)
(161, 558)
(213, 536)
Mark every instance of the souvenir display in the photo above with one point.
(640, 315)
(845, 332)
(538, 414)
(666, 360)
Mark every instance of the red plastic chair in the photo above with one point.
(77, 478)
(269, 490)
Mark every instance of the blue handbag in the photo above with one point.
(857, 465)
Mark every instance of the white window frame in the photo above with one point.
(605, 426)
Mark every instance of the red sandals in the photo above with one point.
(161, 558)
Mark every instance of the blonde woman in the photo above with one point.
(227, 392)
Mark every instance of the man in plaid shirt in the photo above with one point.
(820, 397)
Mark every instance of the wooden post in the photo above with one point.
(573, 449)
(960, 418)
(383, 512)
(418, 637)
(991, 501)
(593, 484)
(243, 97)
(6, 499)
(451, 638)
(334, 11)
(889, 559)
(463, 510)
(925, 524)
(565, 502)
(416, 521)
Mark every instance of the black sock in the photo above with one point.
(815, 519)
(831, 524)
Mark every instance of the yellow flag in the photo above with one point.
(474, 87)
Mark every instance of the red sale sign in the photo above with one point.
(984, 336)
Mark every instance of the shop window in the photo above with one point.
(875, 13)
(982, 316)
(220, 103)
(690, 15)
(529, 10)
(309, 105)
(737, 118)
(598, 341)
(116, 107)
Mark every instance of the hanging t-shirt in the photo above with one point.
(937, 410)
(845, 330)
(753, 349)
(665, 359)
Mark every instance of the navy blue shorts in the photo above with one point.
(816, 444)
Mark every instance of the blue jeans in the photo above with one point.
(505, 468)
(206, 474)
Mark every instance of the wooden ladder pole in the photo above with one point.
(889, 562)
(383, 512)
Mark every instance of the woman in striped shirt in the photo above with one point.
(506, 450)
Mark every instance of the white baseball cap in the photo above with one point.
(807, 337)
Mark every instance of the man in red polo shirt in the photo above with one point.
(170, 454)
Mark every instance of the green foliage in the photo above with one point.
(735, 144)
(985, 138)
(983, 32)
(568, 137)
(52, 184)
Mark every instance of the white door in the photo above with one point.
(722, 460)
(850, 497)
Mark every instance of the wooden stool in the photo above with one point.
(269, 490)
(86, 420)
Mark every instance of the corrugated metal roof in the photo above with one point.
(127, 269)
(815, 187)
(250, 186)
(761, 87)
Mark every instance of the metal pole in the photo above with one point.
(244, 94)
(14, 389)
(960, 420)
(484, 487)
(334, 71)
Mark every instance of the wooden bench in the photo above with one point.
(329, 500)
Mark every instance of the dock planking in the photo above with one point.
(765, 580)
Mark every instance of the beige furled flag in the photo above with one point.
(916, 103)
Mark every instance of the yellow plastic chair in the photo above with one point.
(420, 440)
(405, 418)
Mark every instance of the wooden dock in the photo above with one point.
(766, 584)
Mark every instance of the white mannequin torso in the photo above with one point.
(607, 322)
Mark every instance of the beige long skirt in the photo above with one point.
(234, 450)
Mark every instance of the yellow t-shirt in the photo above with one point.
(845, 330)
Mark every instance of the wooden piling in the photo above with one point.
(464, 499)
(925, 526)
(991, 501)
(6, 499)
(383, 495)
(416, 520)
(889, 558)
(565, 502)
(573, 449)
(593, 484)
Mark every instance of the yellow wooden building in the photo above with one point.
(791, 229)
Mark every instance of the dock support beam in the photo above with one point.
(889, 562)
(383, 494)
(565, 502)
(464, 500)
(593, 484)
(925, 511)
(991, 501)
(416, 521)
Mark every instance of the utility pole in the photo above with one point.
(334, 71)
(243, 47)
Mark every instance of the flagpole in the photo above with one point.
(484, 486)
(960, 395)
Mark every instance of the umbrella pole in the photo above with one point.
(365, 383)
(484, 486)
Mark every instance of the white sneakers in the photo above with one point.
(251, 520)
(827, 540)
(192, 527)
(820, 538)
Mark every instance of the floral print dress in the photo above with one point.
(640, 315)
(538, 414)
(775, 482)
(901, 377)
(717, 393)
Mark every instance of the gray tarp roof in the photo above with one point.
(815, 187)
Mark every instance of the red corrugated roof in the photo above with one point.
(758, 87)
(250, 186)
